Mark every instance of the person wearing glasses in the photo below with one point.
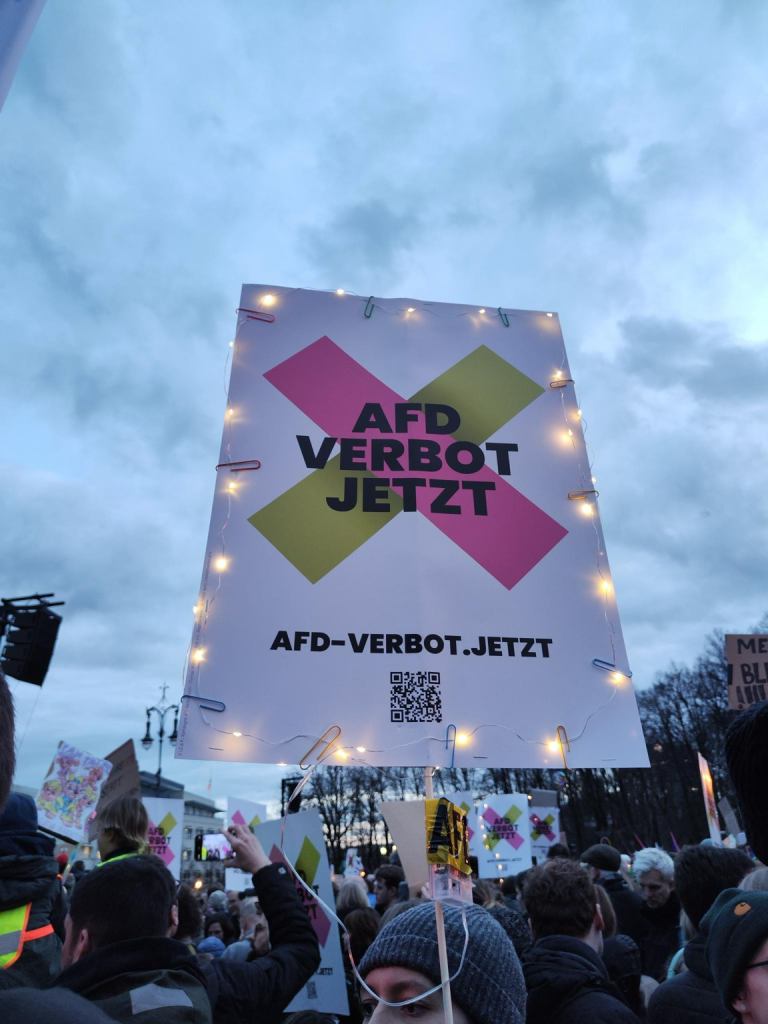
(737, 952)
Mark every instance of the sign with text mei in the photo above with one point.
(505, 834)
(404, 517)
(747, 657)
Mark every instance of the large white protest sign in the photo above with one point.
(405, 553)
(505, 835)
(166, 827)
(747, 658)
(304, 847)
(70, 792)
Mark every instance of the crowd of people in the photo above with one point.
(594, 937)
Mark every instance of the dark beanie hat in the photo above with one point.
(19, 814)
(736, 925)
(746, 754)
(603, 857)
(489, 988)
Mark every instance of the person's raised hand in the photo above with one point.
(247, 852)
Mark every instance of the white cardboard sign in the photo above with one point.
(304, 847)
(505, 835)
(392, 533)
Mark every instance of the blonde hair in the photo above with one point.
(127, 818)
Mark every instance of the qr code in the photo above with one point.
(415, 697)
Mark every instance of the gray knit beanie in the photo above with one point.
(489, 988)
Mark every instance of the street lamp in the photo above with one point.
(161, 709)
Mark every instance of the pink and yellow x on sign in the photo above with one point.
(425, 454)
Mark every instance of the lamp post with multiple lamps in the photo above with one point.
(161, 709)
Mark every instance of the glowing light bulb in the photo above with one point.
(195, 608)
(231, 344)
(594, 479)
(339, 291)
(342, 754)
(578, 413)
(605, 585)
(360, 750)
(281, 764)
(268, 300)
(198, 654)
(618, 677)
(586, 509)
(230, 410)
(411, 309)
(462, 738)
(570, 432)
(558, 375)
(549, 314)
(482, 310)
(237, 734)
(393, 846)
(500, 867)
(221, 563)
(553, 745)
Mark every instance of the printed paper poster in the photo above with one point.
(70, 792)
(410, 523)
(304, 847)
(245, 812)
(505, 835)
(545, 829)
(166, 827)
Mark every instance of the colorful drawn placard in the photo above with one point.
(710, 804)
(747, 658)
(422, 526)
(166, 827)
(466, 801)
(70, 792)
(505, 831)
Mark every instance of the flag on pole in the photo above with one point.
(17, 20)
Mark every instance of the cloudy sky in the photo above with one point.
(605, 160)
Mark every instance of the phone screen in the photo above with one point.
(213, 846)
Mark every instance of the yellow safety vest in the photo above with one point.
(14, 933)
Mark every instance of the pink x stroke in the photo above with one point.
(503, 829)
(330, 387)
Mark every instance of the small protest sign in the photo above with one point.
(747, 658)
(405, 821)
(710, 805)
(123, 780)
(304, 847)
(70, 792)
(166, 827)
(422, 526)
(545, 829)
(466, 801)
(505, 831)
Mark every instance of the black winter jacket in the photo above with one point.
(690, 997)
(568, 984)
(628, 907)
(239, 992)
(663, 939)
